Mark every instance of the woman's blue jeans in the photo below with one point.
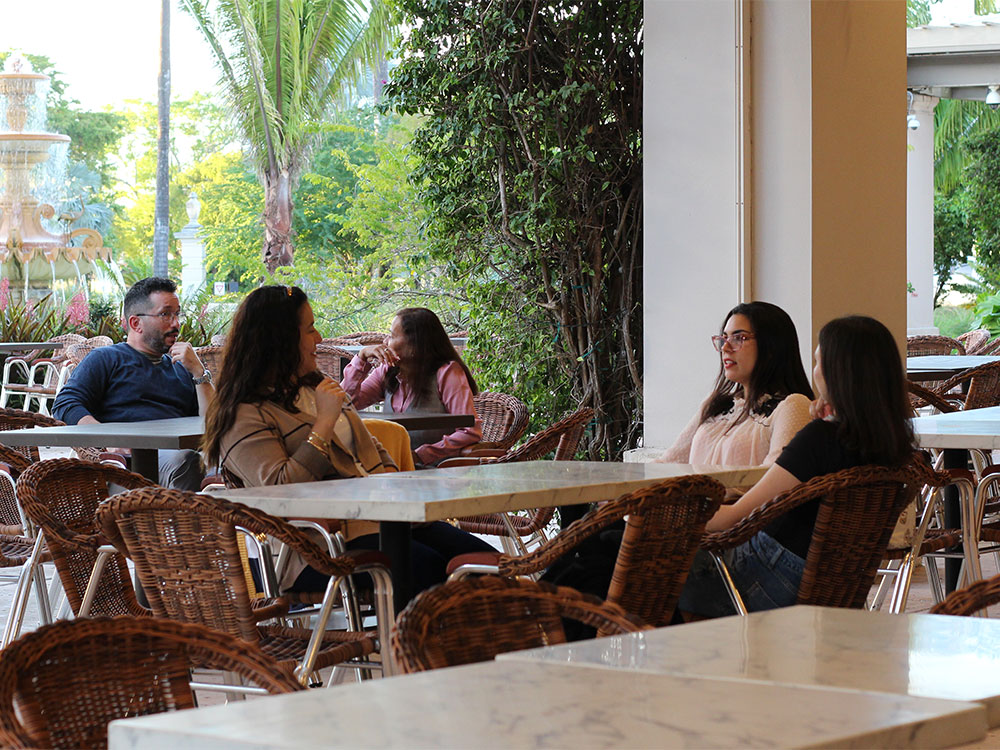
(766, 574)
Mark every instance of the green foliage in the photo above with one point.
(983, 186)
(953, 237)
(529, 161)
(954, 321)
(988, 314)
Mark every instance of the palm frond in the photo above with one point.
(954, 121)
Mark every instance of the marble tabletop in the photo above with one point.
(930, 656)
(7, 347)
(156, 434)
(943, 366)
(538, 705)
(440, 494)
(976, 428)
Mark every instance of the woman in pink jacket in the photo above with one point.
(417, 368)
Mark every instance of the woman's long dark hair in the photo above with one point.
(778, 371)
(866, 388)
(260, 361)
(430, 348)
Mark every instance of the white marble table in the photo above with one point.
(397, 500)
(537, 705)
(927, 656)
(943, 366)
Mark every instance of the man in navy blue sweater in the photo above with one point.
(150, 376)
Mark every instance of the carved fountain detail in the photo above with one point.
(22, 235)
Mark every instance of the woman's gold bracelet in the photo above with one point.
(318, 442)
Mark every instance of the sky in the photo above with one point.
(108, 51)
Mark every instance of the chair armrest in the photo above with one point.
(481, 450)
(458, 461)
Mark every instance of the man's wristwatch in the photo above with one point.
(206, 377)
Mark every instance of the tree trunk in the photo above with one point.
(161, 215)
(278, 250)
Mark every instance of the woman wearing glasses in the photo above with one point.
(761, 396)
(862, 417)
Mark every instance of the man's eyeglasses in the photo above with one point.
(735, 341)
(165, 315)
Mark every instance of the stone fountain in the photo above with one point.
(30, 255)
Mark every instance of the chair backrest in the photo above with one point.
(75, 353)
(858, 511)
(16, 419)
(563, 437)
(186, 554)
(61, 685)
(329, 359)
(358, 338)
(968, 601)
(211, 357)
(61, 496)
(983, 386)
(474, 619)
(12, 464)
(920, 346)
(974, 341)
(921, 397)
(504, 418)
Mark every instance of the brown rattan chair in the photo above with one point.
(358, 338)
(504, 418)
(922, 346)
(211, 357)
(665, 523)
(921, 396)
(974, 341)
(184, 546)
(975, 388)
(330, 359)
(562, 438)
(17, 419)
(60, 497)
(27, 368)
(473, 620)
(61, 685)
(858, 510)
(972, 599)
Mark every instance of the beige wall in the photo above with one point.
(859, 161)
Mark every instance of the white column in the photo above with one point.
(691, 236)
(192, 250)
(920, 218)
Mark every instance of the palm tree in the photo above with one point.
(161, 211)
(283, 64)
(954, 121)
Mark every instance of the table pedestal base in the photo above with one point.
(394, 542)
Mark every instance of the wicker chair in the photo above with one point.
(16, 419)
(462, 622)
(563, 437)
(28, 367)
(921, 396)
(61, 685)
(974, 341)
(665, 523)
(968, 601)
(922, 346)
(211, 357)
(857, 513)
(184, 546)
(504, 418)
(359, 338)
(974, 388)
(330, 359)
(60, 496)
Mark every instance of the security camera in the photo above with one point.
(912, 122)
(993, 97)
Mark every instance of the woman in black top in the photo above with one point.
(861, 416)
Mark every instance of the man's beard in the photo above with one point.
(156, 340)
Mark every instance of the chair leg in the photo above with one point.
(734, 595)
(103, 554)
(934, 579)
(901, 591)
(304, 671)
(42, 596)
(890, 570)
(15, 618)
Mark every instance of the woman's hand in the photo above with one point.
(820, 409)
(330, 398)
(378, 354)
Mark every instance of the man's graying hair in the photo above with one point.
(137, 299)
